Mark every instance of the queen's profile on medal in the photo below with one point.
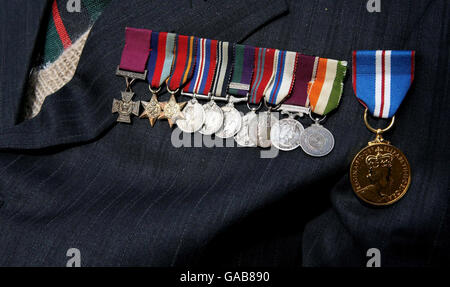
(380, 174)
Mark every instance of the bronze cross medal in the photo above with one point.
(125, 107)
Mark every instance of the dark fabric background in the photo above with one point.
(124, 196)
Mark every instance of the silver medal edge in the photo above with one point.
(204, 122)
(269, 140)
(192, 131)
(275, 144)
(234, 110)
(237, 140)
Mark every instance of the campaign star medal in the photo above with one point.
(158, 66)
(380, 174)
(182, 70)
(153, 108)
(172, 110)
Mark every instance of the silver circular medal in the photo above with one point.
(248, 134)
(194, 117)
(213, 118)
(232, 122)
(317, 140)
(286, 133)
(264, 128)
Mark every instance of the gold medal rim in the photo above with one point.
(381, 203)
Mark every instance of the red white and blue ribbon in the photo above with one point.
(161, 57)
(285, 63)
(381, 79)
(205, 67)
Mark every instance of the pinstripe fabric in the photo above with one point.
(123, 196)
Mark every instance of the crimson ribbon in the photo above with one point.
(136, 50)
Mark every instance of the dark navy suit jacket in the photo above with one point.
(124, 196)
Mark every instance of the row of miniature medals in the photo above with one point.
(263, 129)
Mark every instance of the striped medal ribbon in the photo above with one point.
(243, 68)
(279, 88)
(326, 89)
(263, 73)
(231, 120)
(161, 57)
(381, 79)
(214, 115)
(183, 63)
(200, 85)
(132, 67)
(181, 71)
(159, 65)
(205, 66)
(324, 93)
(243, 63)
(285, 134)
(224, 69)
(380, 173)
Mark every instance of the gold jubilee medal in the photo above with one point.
(380, 173)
